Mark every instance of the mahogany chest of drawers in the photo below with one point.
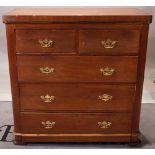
(76, 73)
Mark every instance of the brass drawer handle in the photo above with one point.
(45, 43)
(48, 124)
(105, 97)
(109, 43)
(46, 70)
(47, 98)
(104, 124)
(107, 71)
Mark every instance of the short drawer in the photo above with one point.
(77, 97)
(77, 69)
(45, 41)
(46, 123)
(109, 42)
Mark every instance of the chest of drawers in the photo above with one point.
(76, 73)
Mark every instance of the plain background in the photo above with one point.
(149, 90)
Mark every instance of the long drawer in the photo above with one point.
(47, 123)
(77, 69)
(76, 97)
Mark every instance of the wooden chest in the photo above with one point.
(76, 73)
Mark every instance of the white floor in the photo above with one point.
(5, 93)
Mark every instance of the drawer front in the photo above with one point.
(87, 97)
(109, 42)
(49, 41)
(77, 69)
(75, 123)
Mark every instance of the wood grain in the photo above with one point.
(76, 69)
(127, 42)
(96, 14)
(73, 137)
(75, 123)
(28, 41)
(77, 97)
(140, 80)
(76, 81)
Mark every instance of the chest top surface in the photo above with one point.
(77, 14)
